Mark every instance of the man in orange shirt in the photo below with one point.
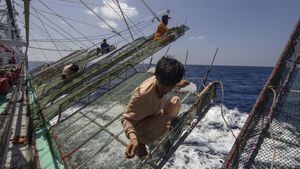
(162, 27)
(149, 112)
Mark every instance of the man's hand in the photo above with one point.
(131, 148)
(182, 83)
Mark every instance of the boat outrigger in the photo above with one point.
(76, 123)
(270, 136)
(46, 122)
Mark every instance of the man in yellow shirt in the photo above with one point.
(162, 27)
(149, 112)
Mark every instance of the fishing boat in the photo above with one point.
(47, 122)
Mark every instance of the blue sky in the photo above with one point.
(250, 33)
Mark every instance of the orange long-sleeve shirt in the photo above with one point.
(161, 29)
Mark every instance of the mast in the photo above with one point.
(26, 16)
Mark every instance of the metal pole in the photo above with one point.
(208, 71)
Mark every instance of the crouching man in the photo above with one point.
(149, 113)
(68, 71)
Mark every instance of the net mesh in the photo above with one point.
(272, 128)
(51, 78)
(54, 103)
(94, 136)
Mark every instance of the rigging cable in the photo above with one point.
(40, 50)
(91, 4)
(47, 32)
(41, 31)
(125, 20)
(134, 24)
(67, 22)
(62, 41)
(61, 30)
(138, 51)
(138, 23)
(63, 50)
(167, 51)
(96, 37)
(153, 13)
(104, 21)
(71, 19)
(62, 44)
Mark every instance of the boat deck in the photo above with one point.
(16, 153)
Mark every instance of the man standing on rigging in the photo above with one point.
(104, 47)
(149, 112)
(162, 27)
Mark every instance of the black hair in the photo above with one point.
(164, 17)
(75, 68)
(169, 71)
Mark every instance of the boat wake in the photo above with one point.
(208, 144)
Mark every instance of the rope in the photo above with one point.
(66, 22)
(47, 31)
(64, 32)
(100, 62)
(138, 51)
(41, 50)
(75, 20)
(48, 49)
(167, 50)
(38, 29)
(96, 37)
(135, 25)
(113, 29)
(42, 31)
(156, 17)
(93, 120)
(125, 20)
(222, 112)
(271, 130)
(173, 134)
(80, 93)
(86, 24)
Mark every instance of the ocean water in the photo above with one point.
(242, 84)
(207, 146)
(209, 143)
